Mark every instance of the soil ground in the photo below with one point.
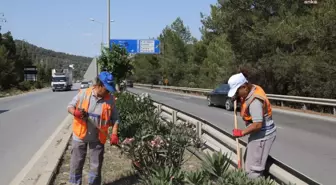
(117, 168)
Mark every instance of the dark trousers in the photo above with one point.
(78, 155)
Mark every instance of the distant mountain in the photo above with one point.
(53, 59)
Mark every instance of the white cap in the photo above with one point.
(235, 81)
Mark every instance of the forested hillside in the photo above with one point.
(288, 47)
(53, 59)
(15, 54)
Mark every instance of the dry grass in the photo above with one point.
(15, 91)
(117, 168)
(11, 92)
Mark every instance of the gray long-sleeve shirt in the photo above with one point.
(95, 107)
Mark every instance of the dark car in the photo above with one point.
(129, 83)
(219, 97)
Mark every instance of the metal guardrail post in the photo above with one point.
(304, 107)
(159, 108)
(334, 111)
(199, 129)
(199, 132)
(174, 116)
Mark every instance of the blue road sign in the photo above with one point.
(130, 45)
(142, 46)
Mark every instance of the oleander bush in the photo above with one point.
(156, 148)
(147, 140)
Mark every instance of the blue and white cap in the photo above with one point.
(107, 79)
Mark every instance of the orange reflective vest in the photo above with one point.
(80, 126)
(261, 95)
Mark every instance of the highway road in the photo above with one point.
(26, 122)
(306, 144)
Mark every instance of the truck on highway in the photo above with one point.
(62, 79)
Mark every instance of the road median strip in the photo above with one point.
(41, 168)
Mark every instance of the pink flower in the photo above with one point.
(137, 164)
(128, 141)
(152, 143)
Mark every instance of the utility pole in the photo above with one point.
(101, 43)
(2, 19)
(108, 23)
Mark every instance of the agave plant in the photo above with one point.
(197, 178)
(239, 177)
(217, 164)
(163, 176)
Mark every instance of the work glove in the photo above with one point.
(80, 113)
(237, 133)
(114, 139)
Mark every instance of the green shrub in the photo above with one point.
(25, 86)
(38, 84)
(135, 115)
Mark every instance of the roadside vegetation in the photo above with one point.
(288, 47)
(153, 152)
(16, 54)
(22, 87)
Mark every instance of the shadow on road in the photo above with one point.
(69, 90)
(2, 111)
(128, 180)
(75, 89)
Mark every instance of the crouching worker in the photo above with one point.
(94, 112)
(256, 111)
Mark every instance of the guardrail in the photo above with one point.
(217, 139)
(281, 98)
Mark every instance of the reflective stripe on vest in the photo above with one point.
(80, 126)
(267, 110)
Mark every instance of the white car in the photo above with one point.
(84, 85)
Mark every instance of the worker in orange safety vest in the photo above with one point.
(256, 112)
(94, 112)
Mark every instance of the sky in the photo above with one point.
(65, 26)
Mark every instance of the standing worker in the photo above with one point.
(256, 111)
(92, 108)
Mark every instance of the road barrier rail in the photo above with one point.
(217, 139)
(301, 102)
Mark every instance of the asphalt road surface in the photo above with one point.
(26, 122)
(306, 144)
